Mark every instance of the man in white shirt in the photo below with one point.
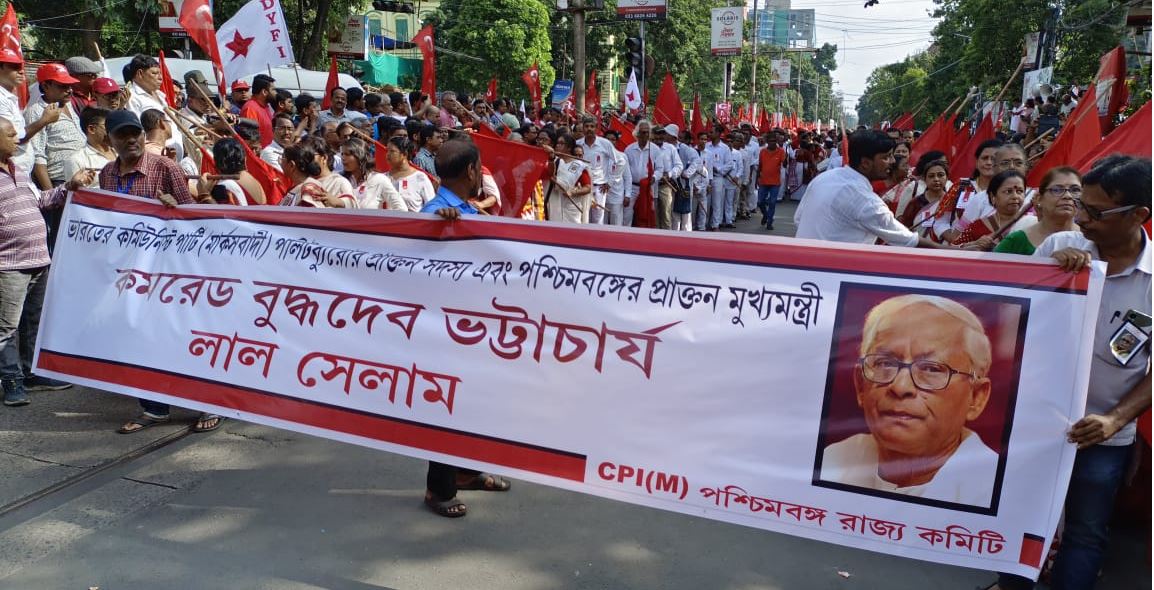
(735, 181)
(142, 76)
(646, 161)
(284, 134)
(599, 154)
(673, 170)
(11, 76)
(752, 150)
(58, 141)
(921, 377)
(620, 181)
(701, 184)
(841, 206)
(1114, 203)
(97, 152)
(689, 177)
(719, 159)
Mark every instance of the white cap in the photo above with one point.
(672, 129)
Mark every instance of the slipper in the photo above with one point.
(141, 422)
(453, 508)
(207, 418)
(486, 482)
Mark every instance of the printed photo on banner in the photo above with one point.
(920, 395)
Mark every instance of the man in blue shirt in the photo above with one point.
(459, 163)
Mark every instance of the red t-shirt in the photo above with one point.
(259, 113)
(769, 166)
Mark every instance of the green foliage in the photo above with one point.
(507, 35)
(979, 43)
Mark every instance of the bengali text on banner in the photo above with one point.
(901, 401)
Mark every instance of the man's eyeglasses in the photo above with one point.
(1057, 191)
(882, 369)
(1097, 214)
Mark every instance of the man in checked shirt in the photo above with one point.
(24, 263)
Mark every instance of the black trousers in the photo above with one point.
(442, 479)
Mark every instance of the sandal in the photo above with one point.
(207, 418)
(486, 482)
(453, 508)
(141, 422)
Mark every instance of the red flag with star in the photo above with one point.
(10, 51)
(332, 83)
(424, 41)
(196, 18)
(166, 85)
(592, 97)
(491, 92)
(532, 79)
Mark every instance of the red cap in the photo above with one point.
(105, 86)
(54, 73)
(9, 55)
(240, 85)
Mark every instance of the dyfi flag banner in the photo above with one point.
(491, 92)
(632, 93)
(1081, 134)
(331, 84)
(10, 51)
(532, 79)
(254, 39)
(1111, 87)
(166, 85)
(196, 18)
(1132, 138)
(697, 125)
(424, 42)
(668, 108)
(515, 167)
(592, 96)
(963, 165)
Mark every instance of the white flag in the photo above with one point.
(523, 107)
(254, 39)
(632, 94)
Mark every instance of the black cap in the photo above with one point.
(122, 118)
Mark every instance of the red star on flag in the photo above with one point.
(630, 96)
(239, 45)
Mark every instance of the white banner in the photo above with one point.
(726, 31)
(1032, 81)
(779, 73)
(805, 388)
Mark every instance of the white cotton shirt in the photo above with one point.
(376, 192)
(717, 160)
(88, 157)
(600, 158)
(10, 109)
(967, 477)
(140, 101)
(415, 190)
(619, 178)
(841, 206)
(271, 155)
(1127, 290)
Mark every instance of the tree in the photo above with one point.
(508, 36)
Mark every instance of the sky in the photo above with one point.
(868, 37)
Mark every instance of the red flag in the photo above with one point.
(196, 18)
(958, 141)
(1081, 134)
(207, 163)
(697, 125)
(668, 108)
(486, 129)
(273, 181)
(928, 141)
(763, 124)
(592, 97)
(1132, 138)
(491, 92)
(424, 42)
(1110, 87)
(166, 85)
(963, 165)
(516, 167)
(10, 51)
(643, 214)
(626, 132)
(332, 83)
(740, 115)
(844, 149)
(532, 78)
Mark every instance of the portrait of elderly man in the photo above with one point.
(921, 376)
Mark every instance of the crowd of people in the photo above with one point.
(83, 129)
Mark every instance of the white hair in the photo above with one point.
(977, 342)
(637, 127)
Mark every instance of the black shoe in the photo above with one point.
(37, 383)
(769, 227)
(14, 393)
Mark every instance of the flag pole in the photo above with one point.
(298, 74)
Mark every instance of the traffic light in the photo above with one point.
(634, 49)
(393, 6)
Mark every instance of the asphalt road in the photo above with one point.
(250, 507)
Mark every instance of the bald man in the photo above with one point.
(920, 378)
